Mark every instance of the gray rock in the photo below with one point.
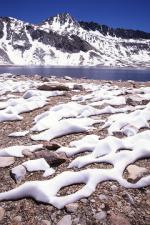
(130, 101)
(18, 173)
(119, 204)
(45, 79)
(53, 146)
(66, 220)
(148, 197)
(53, 87)
(52, 158)
(72, 207)
(100, 216)
(103, 197)
(118, 219)
(6, 161)
(102, 206)
(45, 222)
(114, 188)
(76, 221)
(17, 220)
(127, 209)
(148, 192)
(78, 87)
(53, 216)
(136, 172)
(128, 197)
(67, 78)
(2, 213)
(84, 200)
(27, 153)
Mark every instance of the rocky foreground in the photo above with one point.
(41, 118)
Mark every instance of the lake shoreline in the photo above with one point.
(73, 66)
(96, 73)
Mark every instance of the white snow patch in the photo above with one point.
(129, 124)
(19, 134)
(17, 150)
(64, 127)
(104, 152)
(38, 165)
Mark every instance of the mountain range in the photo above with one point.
(62, 40)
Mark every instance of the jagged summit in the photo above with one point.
(63, 18)
(60, 22)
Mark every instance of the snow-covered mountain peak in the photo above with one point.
(64, 17)
(62, 40)
(60, 23)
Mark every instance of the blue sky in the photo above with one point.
(116, 13)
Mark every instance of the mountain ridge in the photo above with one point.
(62, 40)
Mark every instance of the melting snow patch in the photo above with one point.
(48, 119)
(9, 116)
(129, 124)
(64, 127)
(16, 151)
(105, 151)
(19, 134)
(46, 94)
(39, 165)
(16, 106)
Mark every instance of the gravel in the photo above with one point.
(108, 204)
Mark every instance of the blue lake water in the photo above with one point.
(79, 72)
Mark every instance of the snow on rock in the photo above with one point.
(38, 165)
(129, 124)
(64, 127)
(22, 105)
(108, 147)
(17, 151)
(4, 116)
(142, 90)
(12, 85)
(32, 99)
(67, 78)
(6, 97)
(116, 101)
(48, 172)
(46, 191)
(16, 106)
(38, 93)
(71, 118)
(3, 105)
(87, 143)
(48, 119)
(18, 173)
(100, 94)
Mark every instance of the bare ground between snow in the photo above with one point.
(117, 199)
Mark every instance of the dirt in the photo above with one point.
(32, 213)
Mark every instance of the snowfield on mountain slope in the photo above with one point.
(61, 40)
(93, 149)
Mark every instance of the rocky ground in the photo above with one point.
(110, 204)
